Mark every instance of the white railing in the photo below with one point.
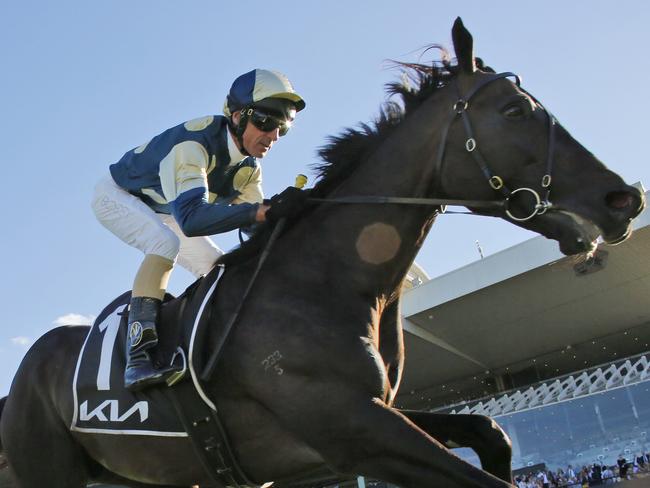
(588, 382)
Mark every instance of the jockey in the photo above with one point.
(199, 178)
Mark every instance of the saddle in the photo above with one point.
(103, 405)
(99, 382)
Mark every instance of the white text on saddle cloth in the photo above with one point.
(113, 412)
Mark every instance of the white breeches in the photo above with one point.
(130, 219)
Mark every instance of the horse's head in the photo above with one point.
(505, 144)
(466, 134)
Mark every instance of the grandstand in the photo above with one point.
(555, 348)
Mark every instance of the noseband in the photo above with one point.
(460, 108)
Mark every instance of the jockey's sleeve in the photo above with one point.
(197, 217)
(183, 177)
(248, 183)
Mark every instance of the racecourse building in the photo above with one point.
(555, 348)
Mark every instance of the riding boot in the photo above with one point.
(142, 337)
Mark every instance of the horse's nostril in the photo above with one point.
(619, 200)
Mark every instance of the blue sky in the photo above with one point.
(84, 81)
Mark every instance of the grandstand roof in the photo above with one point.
(523, 315)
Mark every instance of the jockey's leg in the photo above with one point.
(135, 223)
(148, 291)
(198, 254)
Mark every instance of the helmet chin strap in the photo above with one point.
(239, 129)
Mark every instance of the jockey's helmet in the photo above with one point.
(261, 87)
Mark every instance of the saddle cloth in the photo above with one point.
(102, 404)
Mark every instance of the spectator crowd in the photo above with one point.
(597, 474)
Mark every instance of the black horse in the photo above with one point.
(326, 302)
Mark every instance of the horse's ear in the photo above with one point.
(463, 46)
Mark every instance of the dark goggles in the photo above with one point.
(267, 122)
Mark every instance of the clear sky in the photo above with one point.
(83, 81)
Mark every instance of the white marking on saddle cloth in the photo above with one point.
(110, 327)
(100, 374)
(197, 320)
(141, 407)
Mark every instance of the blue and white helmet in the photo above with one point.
(257, 85)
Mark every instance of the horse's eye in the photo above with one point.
(513, 111)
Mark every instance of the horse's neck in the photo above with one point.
(403, 164)
(371, 246)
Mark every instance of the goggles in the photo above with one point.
(266, 122)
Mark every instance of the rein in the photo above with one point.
(460, 109)
(433, 202)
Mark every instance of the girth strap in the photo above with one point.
(208, 437)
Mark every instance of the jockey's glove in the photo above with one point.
(288, 203)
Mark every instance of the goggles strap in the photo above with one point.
(239, 129)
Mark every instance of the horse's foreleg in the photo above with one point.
(368, 438)
(478, 432)
(115, 480)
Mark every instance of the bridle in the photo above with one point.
(460, 109)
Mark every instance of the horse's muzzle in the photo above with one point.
(623, 206)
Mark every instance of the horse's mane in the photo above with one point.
(343, 153)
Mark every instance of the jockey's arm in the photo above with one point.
(197, 217)
(183, 176)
